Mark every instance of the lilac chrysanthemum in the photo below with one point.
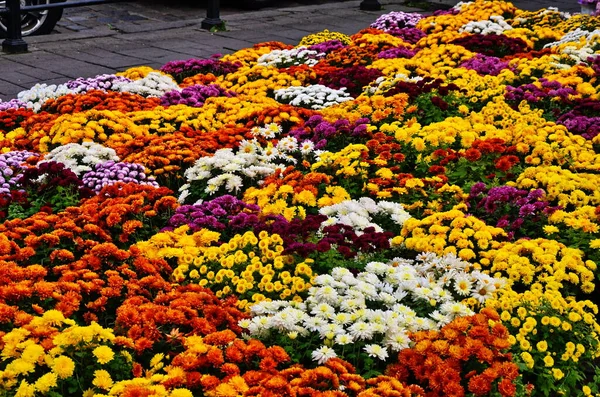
(195, 95)
(12, 104)
(100, 82)
(10, 165)
(397, 20)
(111, 172)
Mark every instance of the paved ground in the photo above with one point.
(112, 37)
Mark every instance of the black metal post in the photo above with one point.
(370, 5)
(14, 42)
(212, 16)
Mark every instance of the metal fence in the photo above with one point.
(14, 42)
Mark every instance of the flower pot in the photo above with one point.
(588, 8)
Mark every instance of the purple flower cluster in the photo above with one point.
(194, 96)
(320, 132)
(410, 35)
(327, 46)
(11, 163)
(396, 20)
(497, 45)
(594, 62)
(185, 68)
(300, 238)
(550, 96)
(111, 172)
(451, 11)
(397, 52)
(485, 65)
(12, 104)
(100, 82)
(583, 119)
(508, 207)
(353, 78)
(223, 212)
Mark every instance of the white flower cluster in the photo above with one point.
(269, 131)
(153, 85)
(383, 83)
(296, 56)
(81, 157)
(574, 36)
(228, 169)
(35, 97)
(359, 213)
(496, 25)
(315, 96)
(377, 307)
(579, 55)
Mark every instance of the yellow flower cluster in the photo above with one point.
(216, 113)
(323, 36)
(347, 162)
(550, 332)
(253, 267)
(582, 218)
(150, 385)
(111, 128)
(178, 244)
(563, 187)
(455, 132)
(476, 86)
(257, 80)
(138, 72)
(281, 200)
(25, 352)
(381, 40)
(246, 56)
(449, 232)
(531, 69)
(433, 61)
(541, 261)
(479, 10)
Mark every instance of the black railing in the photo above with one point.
(14, 42)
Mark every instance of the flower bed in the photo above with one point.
(412, 210)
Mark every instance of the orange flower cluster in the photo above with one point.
(99, 100)
(176, 312)
(166, 156)
(28, 137)
(469, 348)
(70, 261)
(198, 79)
(287, 116)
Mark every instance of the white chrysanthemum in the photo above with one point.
(81, 157)
(376, 351)
(35, 97)
(343, 339)
(296, 56)
(322, 354)
(397, 340)
(361, 330)
(154, 84)
(307, 147)
(313, 97)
